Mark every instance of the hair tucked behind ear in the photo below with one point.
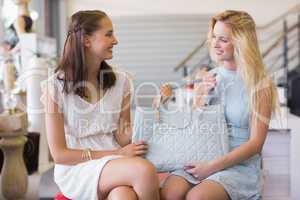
(73, 64)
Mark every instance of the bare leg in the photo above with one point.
(135, 172)
(208, 190)
(175, 188)
(122, 192)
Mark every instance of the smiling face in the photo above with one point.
(221, 43)
(101, 42)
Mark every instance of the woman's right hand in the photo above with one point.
(203, 88)
(165, 92)
(134, 149)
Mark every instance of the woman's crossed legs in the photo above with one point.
(129, 178)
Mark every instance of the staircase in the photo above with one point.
(150, 46)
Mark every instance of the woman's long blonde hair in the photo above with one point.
(247, 56)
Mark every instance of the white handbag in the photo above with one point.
(177, 137)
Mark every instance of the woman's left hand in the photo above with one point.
(200, 170)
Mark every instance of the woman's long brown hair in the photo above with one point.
(72, 63)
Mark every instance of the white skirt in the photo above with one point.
(80, 182)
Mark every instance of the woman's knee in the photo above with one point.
(143, 169)
(200, 194)
(172, 194)
(122, 192)
(135, 172)
(197, 195)
(174, 188)
(207, 190)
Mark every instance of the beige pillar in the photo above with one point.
(14, 178)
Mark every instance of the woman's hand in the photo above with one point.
(135, 149)
(200, 170)
(203, 88)
(165, 93)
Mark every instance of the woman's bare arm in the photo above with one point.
(260, 119)
(124, 132)
(56, 138)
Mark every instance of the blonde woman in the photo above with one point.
(250, 99)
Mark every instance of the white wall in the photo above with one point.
(131, 18)
(262, 10)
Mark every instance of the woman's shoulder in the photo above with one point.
(55, 80)
(122, 75)
(53, 87)
(124, 81)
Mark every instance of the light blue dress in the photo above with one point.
(242, 181)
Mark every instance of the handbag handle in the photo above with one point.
(158, 118)
(174, 87)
